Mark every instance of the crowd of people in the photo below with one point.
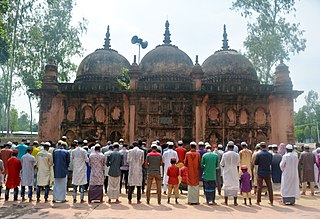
(117, 167)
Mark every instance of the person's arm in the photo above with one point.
(203, 162)
(283, 164)
(256, 160)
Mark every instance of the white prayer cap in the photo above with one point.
(60, 141)
(193, 143)
(180, 142)
(295, 146)
(42, 143)
(47, 144)
(115, 143)
(270, 146)
(64, 137)
(306, 146)
(170, 143)
(64, 143)
(121, 139)
(318, 150)
(244, 143)
(154, 145)
(85, 141)
(97, 145)
(35, 142)
(220, 146)
(9, 143)
(207, 143)
(154, 142)
(200, 143)
(230, 143)
(289, 147)
(274, 146)
(157, 141)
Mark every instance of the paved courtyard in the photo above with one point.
(306, 207)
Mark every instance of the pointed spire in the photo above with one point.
(225, 40)
(107, 40)
(134, 59)
(197, 63)
(167, 34)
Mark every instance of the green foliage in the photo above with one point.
(4, 43)
(14, 119)
(124, 79)
(307, 118)
(271, 37)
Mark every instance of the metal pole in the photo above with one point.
(139, 55)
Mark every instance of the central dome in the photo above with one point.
(166, 60)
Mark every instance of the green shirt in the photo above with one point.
(210, 162)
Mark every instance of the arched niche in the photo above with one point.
(231, 116)
(70, 135)
(72, 112)
(244, 117)
(87, 112)
(260, 116)
(213, 114)
(100, 114)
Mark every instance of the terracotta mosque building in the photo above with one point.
(169, 98)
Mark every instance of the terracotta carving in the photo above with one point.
(100, 114)
(116, 113)
(243, 117)
(71, 116)
(260, 116)
(231, 117)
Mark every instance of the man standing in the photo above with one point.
(78, 161)
(209, 163)
(22, 148)
(124, 166)
(97, 164)
(6, 153)
(44, 162)
(13, 181)
(219, 181)
(181, 151)
(106, 167)
(264, 160)
(192, 162)
(229, 165)
(201, 151)
(27, 174)
(114, 161)
(245, 157)
(290, 176)
(153, 163)
(166, 157)
(275, 168)
(61, 160)
(135, 161)
(307, 161)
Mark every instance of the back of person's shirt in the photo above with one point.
(154, 160)
(263, 160)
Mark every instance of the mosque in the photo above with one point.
(168, 97)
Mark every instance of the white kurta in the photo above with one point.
(135, 160)
(290, 176)
(229, 163)
(27, 173)
(44, 162)
(166, 157)
(78, 161)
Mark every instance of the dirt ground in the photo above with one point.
(305, 207)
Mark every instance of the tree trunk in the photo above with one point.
(30, 105)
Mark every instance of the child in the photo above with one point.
(245, 188)
(184, 178)
(173, 181)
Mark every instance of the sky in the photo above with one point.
(196, 27)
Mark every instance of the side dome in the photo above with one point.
(104, 64)
(228, 65)
(166, 62)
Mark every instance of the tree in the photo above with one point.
(51, 36)
(23, 122)
(4, 44)
(14, 119)
(271, 37)
(307, 132)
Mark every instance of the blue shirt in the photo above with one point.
(61, 160)
(264, 161)
(22, 149)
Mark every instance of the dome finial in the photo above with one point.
(167, 34)
(107, 40)
(197, 59)
(225, 40)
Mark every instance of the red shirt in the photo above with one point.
(14, 167)
(184, 174)
(181, 153)
(5, 155)
(173, 173)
